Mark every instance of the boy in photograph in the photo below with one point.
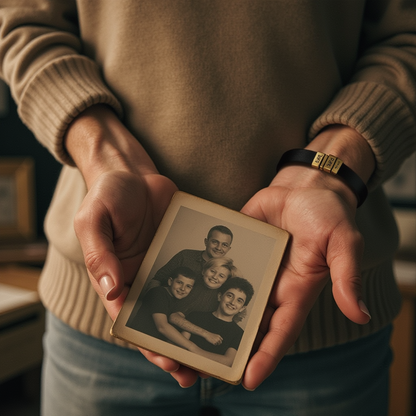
(233, 299)
(204, 296)
(159, 302)
(217, 244)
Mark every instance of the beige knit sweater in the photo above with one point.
(216, 91)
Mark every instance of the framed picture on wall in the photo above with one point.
(17, 199)
(201, 291)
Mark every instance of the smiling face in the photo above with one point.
(180, 286)
(217, 245)
(215, 276)
(231, 303)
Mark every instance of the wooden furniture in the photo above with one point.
(24, 253)
(22, 321)
(403, 370)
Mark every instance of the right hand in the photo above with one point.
(124, 205)
(213, 339)
(115, 225)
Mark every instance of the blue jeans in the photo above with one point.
(84, 376)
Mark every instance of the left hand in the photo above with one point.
(323, 238)
(318, 210)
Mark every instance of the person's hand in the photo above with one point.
(125, 202)
(318, 210)
(213, 339)
(322, 239)
(115, 225)
(126, 199)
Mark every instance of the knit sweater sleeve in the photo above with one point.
(380, 99)
(50, 79)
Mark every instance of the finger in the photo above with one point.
(284, 328)
(113, 306)
(288, 307)
(344, 259)
(185, 376)
(166, 364)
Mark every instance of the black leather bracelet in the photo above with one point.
(329, 164)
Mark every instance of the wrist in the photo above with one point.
(330, 165)
(98, 142)
(348, 145)
(331, 170)
(295, 177)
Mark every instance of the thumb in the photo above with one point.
(93, 227)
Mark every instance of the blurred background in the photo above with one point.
(28, 175)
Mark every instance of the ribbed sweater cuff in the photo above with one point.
(57, 94)
(381, 117)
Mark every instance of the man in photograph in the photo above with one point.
(217, 244)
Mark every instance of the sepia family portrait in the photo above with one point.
(202, 280)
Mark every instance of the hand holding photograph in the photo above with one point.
(201, 291)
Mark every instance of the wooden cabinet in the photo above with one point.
(22, 321)
(402, 381)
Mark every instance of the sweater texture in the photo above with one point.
(216, 91)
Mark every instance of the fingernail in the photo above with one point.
(364, 308)
(107, 285)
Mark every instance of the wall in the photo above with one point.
(17, 140)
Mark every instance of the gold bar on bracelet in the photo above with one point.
(317, 160)
(323, 162)
(329, 164)
(337, 165)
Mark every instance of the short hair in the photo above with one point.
(238, 283)
(185, 272)
(221, 262)
(222, 229)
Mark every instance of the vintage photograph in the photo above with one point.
(201, 291)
